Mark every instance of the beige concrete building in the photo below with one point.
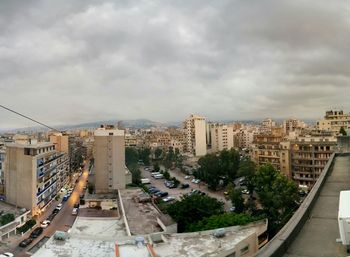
(292, 125)
(110, 171)
(195, 135)
(334, 120)
(60, 141)
(34, 174)
(309, 155)
(221, 137)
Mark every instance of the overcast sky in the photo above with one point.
(66, 62)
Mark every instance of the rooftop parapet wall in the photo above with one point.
(343, 144)
(280, 243)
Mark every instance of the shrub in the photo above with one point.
(28, 225)
(6, 218)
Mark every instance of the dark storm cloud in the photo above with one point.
(76, 61)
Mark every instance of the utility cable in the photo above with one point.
(24, 116)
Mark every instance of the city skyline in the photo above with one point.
(76, 62)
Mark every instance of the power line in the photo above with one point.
(24, 116)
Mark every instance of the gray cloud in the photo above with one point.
(76, 61)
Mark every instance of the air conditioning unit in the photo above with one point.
(220, 232)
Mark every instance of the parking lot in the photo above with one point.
(178, 192)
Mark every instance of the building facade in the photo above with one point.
(195, 135)
(221, 137)
(334, 120)
(309, 155)
(110, 172)
(34, 174)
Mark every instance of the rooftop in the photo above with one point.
(142, 217)
(34, 146)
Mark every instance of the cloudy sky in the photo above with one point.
(66, 62)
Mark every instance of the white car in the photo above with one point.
(169, 199)
(187, 177)
(45, 223)
(75, 211)
(7, 254)
(59, 206)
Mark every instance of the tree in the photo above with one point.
(192, 209)
(136, 174)
(277, 195)
(131, 156)
(221, 221)
(156, 167)
(144, 154)
(342, 131)
(247, 169)
(209, 170)
(166, 175)
(236, 198)
(229, 163)
(158, 153)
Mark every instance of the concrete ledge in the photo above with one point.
(124, 214)
(280, 243)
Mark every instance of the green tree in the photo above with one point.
(229, 163)
(236, 198)
(209, 170)
(136, 174)
(156, 167)
(277, 195)
(131, 156)
(221, 221)
(247, 169)
(166, 175)
(158, 153)
(144, 155)
(192, 209)
(342, 131)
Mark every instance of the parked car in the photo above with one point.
(36, 232)
(232, 209)
(59, 206)
(162, 194)
(81, 196)
(183, 186)
(26, 242)
(75, 211)
(169, 199)
(187, 177)
(76, 205)
(7, 254)
(55, 211)
(45, 223)
(51, 216)
(65, 198)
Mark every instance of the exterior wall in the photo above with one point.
(61, 142)
(109, 165)
(34, 175)
(19, 182)
(308, 159)
(334, 120)
(221, 137)
(195, 130)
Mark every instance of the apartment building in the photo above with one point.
(221, 137)
(110, 171)
(292, 125)
(267, 149)
(34, 174)
(2, 160)
(244, 137)
(334, 120)
(130, 140)
(309, 155)
(60, 141)
(267, 125)
(195, 135)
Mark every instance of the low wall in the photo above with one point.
(124, 215)
(280, 243)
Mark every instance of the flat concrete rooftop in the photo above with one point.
(318, 235)
(142, 217)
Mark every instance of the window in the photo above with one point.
(245, 250)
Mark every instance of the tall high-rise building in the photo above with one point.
(291, 125)
(34, 174)
(110, 172)
(195, 134)
(221, 137)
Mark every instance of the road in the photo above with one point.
(63, 221)
(177, 192)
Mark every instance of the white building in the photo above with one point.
(195, 134)
(221, 137)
